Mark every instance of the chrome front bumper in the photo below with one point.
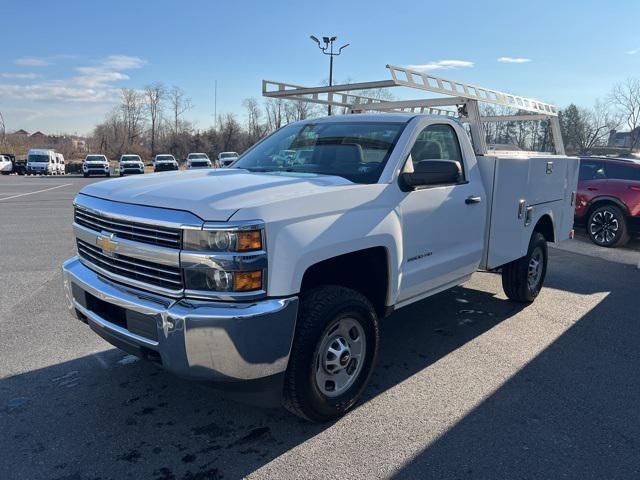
(202, 340)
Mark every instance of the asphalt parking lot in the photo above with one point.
(468, 385)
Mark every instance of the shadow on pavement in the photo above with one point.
(572, 411)
(109, 416)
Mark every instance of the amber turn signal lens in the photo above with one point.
(246, 281)
(251, 240)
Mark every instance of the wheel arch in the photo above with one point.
(367, 271)
(545, 226)
(602, 201)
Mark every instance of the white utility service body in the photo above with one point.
(270, 276)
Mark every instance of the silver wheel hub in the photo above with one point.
(604, 227)
(534, 271)
(340, 357)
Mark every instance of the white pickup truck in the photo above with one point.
(271, 277)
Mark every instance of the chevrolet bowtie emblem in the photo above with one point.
(106, 243)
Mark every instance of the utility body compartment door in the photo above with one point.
(522, 190)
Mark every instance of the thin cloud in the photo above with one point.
(123, 62)
(634, 51)
(91, 84)
(20, 76)
(32, 62)
(514, 60)
(442, 65)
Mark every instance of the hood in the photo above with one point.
(215, 195)
(95, 162)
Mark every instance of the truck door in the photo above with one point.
(443, 225)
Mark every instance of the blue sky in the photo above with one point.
(63, 62)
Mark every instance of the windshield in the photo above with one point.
(95, 158)
(228, 155)
(357, 151)
(130, 158)
(38, 158)
(198, 156)
(164, 157)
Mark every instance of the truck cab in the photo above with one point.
(95, 164)
(198, 160)
(226, 158)
(271, 276)
(129, 164)
(6, 165)
(41, 162)
(164, 162)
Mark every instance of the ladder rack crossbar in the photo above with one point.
(424, 81)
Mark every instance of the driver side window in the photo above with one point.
(436, 142)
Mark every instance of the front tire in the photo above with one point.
(607, 227)
(523, 278)
(333, 353)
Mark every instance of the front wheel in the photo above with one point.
(607, 227)
(333, 353)
(522, 279)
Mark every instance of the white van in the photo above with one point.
(41, 162)
(61, 169)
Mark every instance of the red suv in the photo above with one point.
(609, 199)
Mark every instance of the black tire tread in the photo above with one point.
(514, 274)
(314, 303)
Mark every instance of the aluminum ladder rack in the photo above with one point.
(462, 96)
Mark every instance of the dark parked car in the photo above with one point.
(608, 201)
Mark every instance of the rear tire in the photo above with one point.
(334, 350)
(523, 278)
(607, 227)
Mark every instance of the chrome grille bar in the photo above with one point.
(133, 268)
(145, 233)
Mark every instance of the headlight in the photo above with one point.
(223, 240)
(211, 279)
(224, 259)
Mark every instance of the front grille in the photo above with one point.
(141, 270)
(139, 232)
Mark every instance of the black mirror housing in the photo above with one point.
(431, 173)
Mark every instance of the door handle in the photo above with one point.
(472, 199)
(592, 189)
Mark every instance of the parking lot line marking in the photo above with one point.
(37, 191)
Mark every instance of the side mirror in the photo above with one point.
(431, 173)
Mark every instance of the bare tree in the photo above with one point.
(625, 96)
(3, 130)
(179, 103)
(255, 128)
(154, 97)
(132, 113)
(275, 113)
(230, 132)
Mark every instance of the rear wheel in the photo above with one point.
(607, 227)
(333, 353)
(523, 278)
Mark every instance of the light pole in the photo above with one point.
(328, 45)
